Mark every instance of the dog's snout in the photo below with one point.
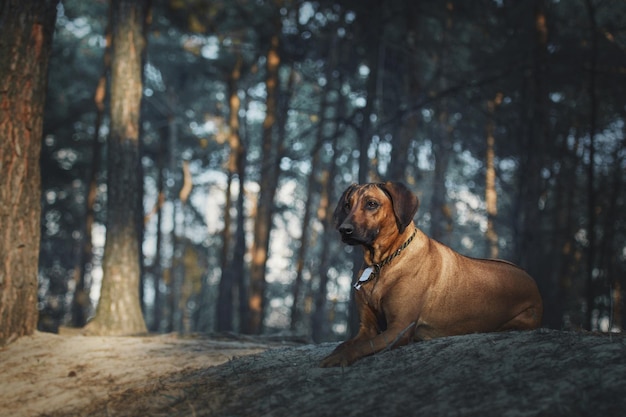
(346, 229)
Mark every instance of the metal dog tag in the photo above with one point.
(365, 276)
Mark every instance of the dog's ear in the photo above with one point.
(404, 202)
(340, 213)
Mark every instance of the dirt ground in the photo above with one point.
(516, 374)
(47, 373)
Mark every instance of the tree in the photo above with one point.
(491, 196)
(268, 184)
(81, 303)
(26, 29)
(119, 309)
(226, 286)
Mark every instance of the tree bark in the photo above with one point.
(26, 28)
(319, 323)
(81, 303)
(529, 238)
(441, 214)
(591, 195)
(491, 196)
(119, 309)
(265, 202)
(225, 297)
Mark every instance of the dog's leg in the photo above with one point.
(359, 347)
(365, 333)
(528, 319)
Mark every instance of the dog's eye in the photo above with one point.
(371, 205)
(346, 206)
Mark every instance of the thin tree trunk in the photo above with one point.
(315, 160)
(26, 30)
(304, 238)
(529, 252)
(591, 195)
(265, 202)
(239, 251)
(491, 196)
(119, 309)
(319, 324)
(440, 212)
(408, 125)
(609, 241)
(81, 302)
(224, 319)
(157, 313)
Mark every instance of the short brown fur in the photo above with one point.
(427, 290)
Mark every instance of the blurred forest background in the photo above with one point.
(507, 119)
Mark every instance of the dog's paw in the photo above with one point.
(335, 359)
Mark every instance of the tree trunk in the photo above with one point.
(265, 202)
(304, 237)
(157, 270)
(441, 214)
(334, 49)
(534, 130)
(319, 324)
(408, 125)
(591, 195)
(491, 196)
(81, 303)
(119, 308)
(224, 316)
(26, 29)
(239, 251)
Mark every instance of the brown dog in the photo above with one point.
(414, 288)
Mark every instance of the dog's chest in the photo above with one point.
(374, 291)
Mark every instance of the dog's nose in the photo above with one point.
(346, 229)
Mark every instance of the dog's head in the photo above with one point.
(363, 211)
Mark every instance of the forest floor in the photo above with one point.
(538, 373)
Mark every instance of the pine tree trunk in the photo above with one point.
(224, 316)
(491, 196)
(441, 214)
(119, 309)
(591, 194)
(304, 238)
(265, 203)
(157, 271)
(81, 303)
(239, 251)
(529, 238)
(319, 323)
(26, 28)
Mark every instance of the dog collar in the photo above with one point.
(373, 271)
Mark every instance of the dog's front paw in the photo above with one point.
(341, 358)
(333, 360)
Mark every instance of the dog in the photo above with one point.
(414, 288)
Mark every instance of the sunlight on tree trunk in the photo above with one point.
(440, 211)
(26, 29)
(119, 308)
(491, 196)
(265, 204)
